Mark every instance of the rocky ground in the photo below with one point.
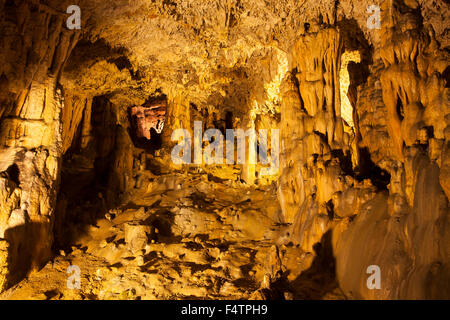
(179, 237)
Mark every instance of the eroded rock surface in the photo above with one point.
(204, 240)
(364, 172)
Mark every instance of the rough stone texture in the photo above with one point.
(363, 181)
(34, 48)
(399, 120)
(404, 243)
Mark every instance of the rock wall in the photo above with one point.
(35, 46)
(379, 184)
(383, 199)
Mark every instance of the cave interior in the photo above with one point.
(314, 136)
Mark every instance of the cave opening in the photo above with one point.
(347, 106)
(86, 175)
(356, 64)
(147, 123)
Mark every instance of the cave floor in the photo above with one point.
(179, 236)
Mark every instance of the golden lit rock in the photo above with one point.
(89, 120)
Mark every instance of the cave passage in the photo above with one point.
(147, 123)
(247, 150)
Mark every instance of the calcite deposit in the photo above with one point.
(357, 90)
(146, 118)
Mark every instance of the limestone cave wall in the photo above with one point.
(367, 178)
(386, 207)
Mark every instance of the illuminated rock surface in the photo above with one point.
(364, 176)
(206, 240)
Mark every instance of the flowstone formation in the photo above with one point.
(357, 207)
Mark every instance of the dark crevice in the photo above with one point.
(315, 282)
(14, 173)
(345, 161)
(367, 169)
(399, 108)
(446, 76)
